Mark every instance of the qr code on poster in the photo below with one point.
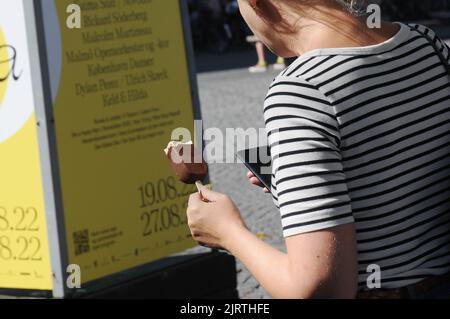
(81, 241)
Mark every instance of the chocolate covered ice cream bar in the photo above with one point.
(182, 160)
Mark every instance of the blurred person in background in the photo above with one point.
(262, 65)
(208, 21)
(235, 22)
(359, 133)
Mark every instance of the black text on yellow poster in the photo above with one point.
(122, 86)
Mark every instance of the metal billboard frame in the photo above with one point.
(50, 164)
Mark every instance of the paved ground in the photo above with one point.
(236, 59)
(232, 99)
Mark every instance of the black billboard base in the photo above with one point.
(210, 275)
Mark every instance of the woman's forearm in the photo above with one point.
(268, 265)
(317, 265)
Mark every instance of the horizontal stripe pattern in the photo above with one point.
(362, 135)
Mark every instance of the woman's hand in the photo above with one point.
(213, 218)
(255, 181)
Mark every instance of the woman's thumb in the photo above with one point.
(209, 195)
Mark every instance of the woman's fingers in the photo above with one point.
(194, 199)
(252, 178)
(250, 174)
(255, 181)
(210, 195)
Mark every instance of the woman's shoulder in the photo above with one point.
(320, 67)
(285, 86)
(302, 66)
(291, 96)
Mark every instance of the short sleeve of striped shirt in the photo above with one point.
(309, 184)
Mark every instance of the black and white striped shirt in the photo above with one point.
(362, 135)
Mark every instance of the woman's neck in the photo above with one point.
(338, 30)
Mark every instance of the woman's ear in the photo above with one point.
(253, 4)
(268, 10)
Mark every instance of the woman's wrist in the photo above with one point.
(234, 235)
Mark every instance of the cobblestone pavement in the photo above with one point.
(234, 99)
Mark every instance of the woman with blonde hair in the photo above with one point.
(359, 132)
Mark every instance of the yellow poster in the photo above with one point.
(122, 87)
(24, 255)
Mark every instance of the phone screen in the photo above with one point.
(257, 160)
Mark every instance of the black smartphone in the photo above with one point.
(257, 160)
